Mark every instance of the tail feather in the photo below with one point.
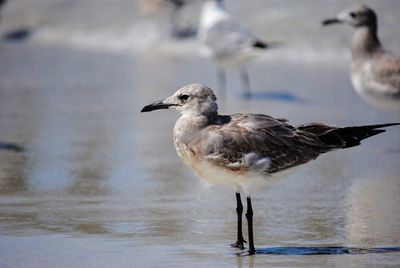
(264, 45)
(260, 44)
(353, 136)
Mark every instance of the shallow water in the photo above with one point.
(94, 183)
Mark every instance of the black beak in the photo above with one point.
(156, 106)
(331, 21)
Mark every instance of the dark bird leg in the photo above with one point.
(221, 77)
(249, 216)
(239, 209)
(244, 76)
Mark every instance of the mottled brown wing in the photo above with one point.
(262, 137)
(387, 71)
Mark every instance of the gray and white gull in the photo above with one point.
(227, 42)
(375, 72)
(248, 151)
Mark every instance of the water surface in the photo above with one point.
(95, 183)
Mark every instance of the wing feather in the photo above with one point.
(387, 72)
(261, 142)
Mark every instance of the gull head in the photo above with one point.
(357, 16)
(192, 100)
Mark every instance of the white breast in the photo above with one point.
(373, 91)
(249, 181)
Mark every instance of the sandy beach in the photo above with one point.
(97, 184)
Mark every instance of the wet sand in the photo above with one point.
(88, 181)
(100, 185)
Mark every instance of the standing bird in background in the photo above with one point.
(248, 151)
(177, 25)
(180, 29)
(229, 44)
(16, 35)
(375, 72)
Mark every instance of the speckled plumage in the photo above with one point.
(375, 72)
(247, 151)
(245, 147)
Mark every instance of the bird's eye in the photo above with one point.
(183, 97)
(353, 15)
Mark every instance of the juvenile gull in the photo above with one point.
(375, 72)
(228, 43)
(247, 151)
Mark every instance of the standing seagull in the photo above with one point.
(247, 151)
(179, 29)
(229, 44)
(375, 72)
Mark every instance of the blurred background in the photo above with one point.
(86, 180)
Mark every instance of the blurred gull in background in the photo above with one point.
(375, 72)
(179, 27)
(229, 44)
(15, 35)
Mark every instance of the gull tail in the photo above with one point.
(352, 136)
(264, 45)
(10, 146)
(260, 44)
(346, 137)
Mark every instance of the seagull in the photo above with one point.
(248, 151)
(375, 72)
(228, 43)
(179, 29)
(177, 25)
